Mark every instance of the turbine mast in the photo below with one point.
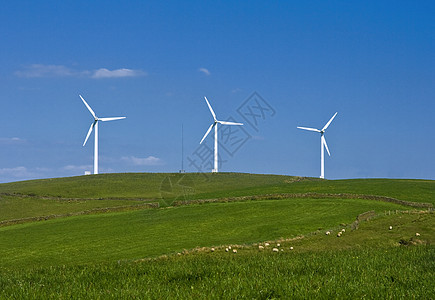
(215, 170)
(322, 158)
(96, 149)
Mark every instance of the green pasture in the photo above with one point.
(152, 232)
(370, 262)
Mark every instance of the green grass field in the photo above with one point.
(165, 252)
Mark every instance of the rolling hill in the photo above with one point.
(121, 224)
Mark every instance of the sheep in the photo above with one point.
(275, 250)
(417, 234)
(391, 227)
(234, 250)
(226, 250)
(260, 247)
(278, 245)
(212, 249)
(339, 234)
(282, 250)
(343, 230)
(229, 247)
(266, 244)
(291, 248)
(328, 233)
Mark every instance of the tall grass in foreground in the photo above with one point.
(398, 272)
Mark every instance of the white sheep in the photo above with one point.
(291, 248)
(212, 249)
(343, 230)
(328, 233)
(260, 247)
(234, 250)
(266, 244)
(226, 250)
(229, 247)
(278, 245)
(417, 234)
(275, 250)
(391, 227)
(339, 234)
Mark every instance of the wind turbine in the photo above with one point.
(95, 125)
(215, 125)
(322, 144)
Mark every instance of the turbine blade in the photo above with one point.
(111, 119)
(87, 105)
(310, 129)
(324, 144)
(329, 122)
(89, 132)
(211, 109)
(208, 131)
(229, 123)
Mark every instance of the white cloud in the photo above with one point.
(205, 71)
(40, 70)
(105, 73)
(148, 161)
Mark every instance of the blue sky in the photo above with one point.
(153, 61)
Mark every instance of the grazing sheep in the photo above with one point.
(291, 248)
(339, 234)
(278, 245)
(275, 250)
(234, 250)
(282, 250)
(343, 230)
(226, 250)
(417, 234)
(260, 247)
(328, 232)
(229, 247)
(391, 227)
(212, 249)
(266, 244)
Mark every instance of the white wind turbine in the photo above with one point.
(95, 125)
(215, 125)
(322, 144)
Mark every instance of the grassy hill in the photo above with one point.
(72, 238)
(61, 196)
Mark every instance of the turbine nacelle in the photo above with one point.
(216, 121)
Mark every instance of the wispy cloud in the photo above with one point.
(11, 141)
(17, 172)
(205, 71)
(105, 73)
(80, 168)
(147, 161)
(40, 70)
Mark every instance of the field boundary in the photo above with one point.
(307, 195)
(81, 213)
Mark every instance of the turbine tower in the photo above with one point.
(322, 144)
(95, 125)
(215, 125)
